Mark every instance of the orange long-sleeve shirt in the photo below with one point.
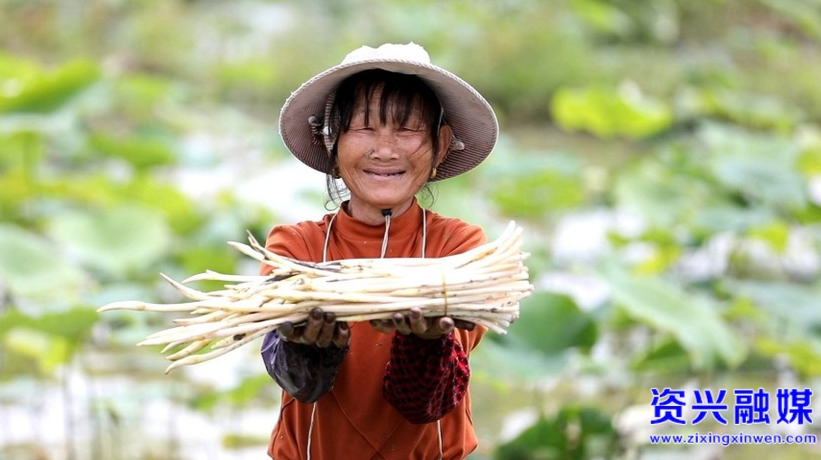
(353, 420)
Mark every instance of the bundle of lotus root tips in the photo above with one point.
(483, 285)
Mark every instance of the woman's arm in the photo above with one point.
(427, 376)
(305, 372)
(303, 360)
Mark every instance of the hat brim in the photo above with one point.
(468, 113)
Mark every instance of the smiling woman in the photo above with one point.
(385, 122)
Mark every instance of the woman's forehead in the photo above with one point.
(393, 102)
(397, 106)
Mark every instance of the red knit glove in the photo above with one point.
(426, 379)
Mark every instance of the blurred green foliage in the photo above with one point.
(692, 126)
(551, 439)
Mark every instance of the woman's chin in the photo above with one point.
(380, 203)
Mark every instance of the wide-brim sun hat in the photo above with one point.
(467, 112)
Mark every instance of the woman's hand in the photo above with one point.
(320, 330)
(415, 323)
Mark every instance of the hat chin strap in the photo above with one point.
(387, 213)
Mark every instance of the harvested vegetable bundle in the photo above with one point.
(483, 285)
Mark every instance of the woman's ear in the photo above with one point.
(445, 137)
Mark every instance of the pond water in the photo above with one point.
(120, 406)
(125, 415)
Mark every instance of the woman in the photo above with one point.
(385, 122)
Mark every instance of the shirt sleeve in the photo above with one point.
(426, 379)
(303, 371)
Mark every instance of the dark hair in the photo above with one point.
(401, 94)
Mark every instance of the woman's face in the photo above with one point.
(383, 164)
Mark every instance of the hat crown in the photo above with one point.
(389, 51)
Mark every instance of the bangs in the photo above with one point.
(400, 95)
(395, 106)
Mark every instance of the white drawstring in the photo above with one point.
(424, 232)
(441, 445)
(311, 430)
(387, 213)
(384, 239)
(384, 250)
(328, 237)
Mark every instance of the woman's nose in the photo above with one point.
(385, 143)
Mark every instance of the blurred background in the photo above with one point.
(663, 156)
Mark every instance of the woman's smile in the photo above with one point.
(384, 174)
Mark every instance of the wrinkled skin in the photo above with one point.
(384, 165)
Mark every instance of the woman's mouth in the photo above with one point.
(385, 174)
